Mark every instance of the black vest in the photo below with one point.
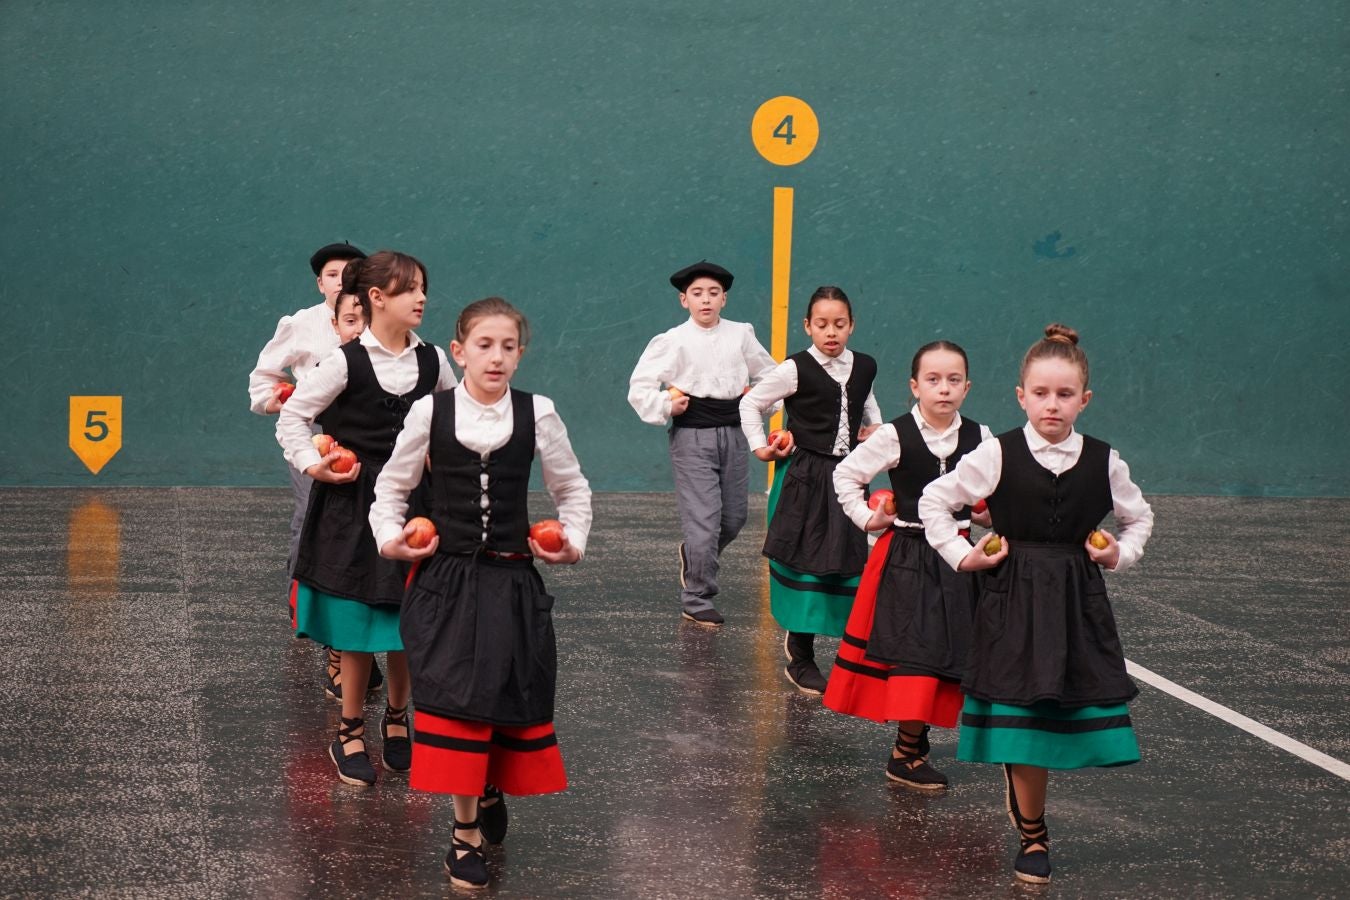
(330, 420)
(813, 412)
(365, 417)
(1033, 504)
(918, 466)
(457, 488)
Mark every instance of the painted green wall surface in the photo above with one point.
(1170, 178)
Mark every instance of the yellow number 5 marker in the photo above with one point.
(95, 430)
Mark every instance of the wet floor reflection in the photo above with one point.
(173, 742)
(94, 548)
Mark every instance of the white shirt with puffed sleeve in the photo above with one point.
(881, 453)
(716, 363)
(300, 343)
(483, 428)
(781, 383)
(396, 371)
(977, 475)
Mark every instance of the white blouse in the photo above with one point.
(301, 342)
(482, 429)
(781, 383)
(396, 372)
(977, 475)
(881, 453)
(716, 362)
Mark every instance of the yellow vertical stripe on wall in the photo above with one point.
(782, 286)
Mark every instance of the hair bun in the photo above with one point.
(1061, 333)
(351, 276)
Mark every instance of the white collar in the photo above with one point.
(1071, 444)
(846, 357)
(370, 341)
(699, 329)
(500, 407)
(925, 426)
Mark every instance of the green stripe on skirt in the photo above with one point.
(1047, 735)
(814, 604)
(345, 624)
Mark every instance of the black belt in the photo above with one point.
(709, 412)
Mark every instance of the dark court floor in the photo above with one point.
(164, 735)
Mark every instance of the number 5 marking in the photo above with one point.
(91, 423)
(95, 429)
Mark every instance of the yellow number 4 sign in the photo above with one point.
(95, 430)
(785, 130)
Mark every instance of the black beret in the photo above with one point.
(324, 255)
(701, 269)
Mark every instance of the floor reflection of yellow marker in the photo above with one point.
(767, 666)
(95, 430)
(93, 548)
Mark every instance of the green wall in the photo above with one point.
(166, 168)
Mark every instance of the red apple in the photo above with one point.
(979, 507)
(781, 439)
(884, 499)
(548, 533)
(282, 390)
(423, 532)
(324, 443)
(345, 462)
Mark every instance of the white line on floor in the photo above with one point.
(1270, 735)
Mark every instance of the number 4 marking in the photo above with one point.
(783, 131)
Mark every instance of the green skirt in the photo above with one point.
(1046, 735)
(345, 624)
(814, 604)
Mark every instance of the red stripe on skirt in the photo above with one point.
(295, 586)
(885, 698)
(466, 770)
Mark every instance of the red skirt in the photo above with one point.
(876, 691)
(455, 756)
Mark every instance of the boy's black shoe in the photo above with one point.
(492, 814)
(705, 617)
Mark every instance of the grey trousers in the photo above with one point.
(300, 484)
(711, 471)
